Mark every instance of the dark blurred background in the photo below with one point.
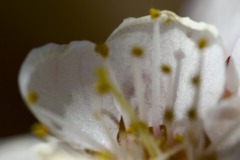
(25, 24)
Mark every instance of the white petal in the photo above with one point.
(18, 148)
(53, 150)
(223, 14)
(178, 36)
(231, 153)
(222, 123)
(62, 78)
(233, 70)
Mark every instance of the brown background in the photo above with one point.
(25, 24)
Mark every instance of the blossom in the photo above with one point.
(146, 93)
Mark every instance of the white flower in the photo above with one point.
(157, 79)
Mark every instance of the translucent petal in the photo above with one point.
(177, 42)
(231, 153)
(221, 13)
(233, 70)
(57, 83)
(222, 123)
(19, 148)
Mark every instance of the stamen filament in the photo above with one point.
(139, 89)
(155, 76)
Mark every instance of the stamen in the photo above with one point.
(167, 20)
(168, 116)
(166, 69)
(195, 139)
(192, 113)
(154, 13)
(138, 84)
(32, 97)
(196, 81)
(179, 56)
(155, 73)
(137, 51)
(40, 130)
(202, 43)
(101, 85)
(178, 139)
(102, 50)
(172, 92)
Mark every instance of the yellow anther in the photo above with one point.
(196, 80)
(154, 13)
(102, 86)
(137, 51)
(167, 20)
(178, 138)
(166, 69)
(192, 113)
(39, 130)
(202, 43)
(168, 116)
(32, 97)
(102, 49)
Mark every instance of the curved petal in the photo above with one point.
(221, 13)
(19, 148)
(177, 46)
(56, 82)
(233, 70)
(222, 123)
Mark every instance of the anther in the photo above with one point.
(154, 13)
(32, 97)
(168, 116)
(202, 43)
(167, 20)
(102, 86)
(102, 50)
(178, 139)
(196, 80)
(166, 69)
(192, 113)
(137, 51)
(39, 130)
